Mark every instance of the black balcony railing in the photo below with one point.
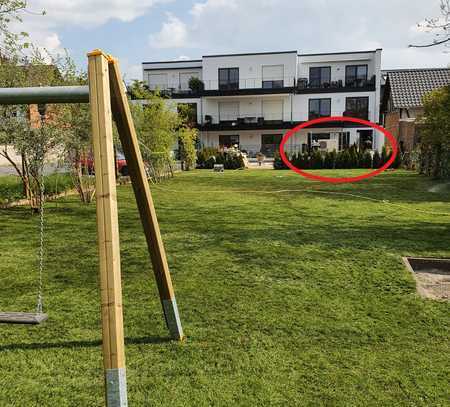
(303, 84)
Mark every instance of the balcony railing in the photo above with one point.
(303, 84)
(275, 84)
(256, 119)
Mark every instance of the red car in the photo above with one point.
(87, 163)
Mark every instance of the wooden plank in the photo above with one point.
(130, 145)
(27, 318)
(107, 231)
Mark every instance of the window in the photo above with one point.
(344, 140)
(319, 76)
(228, 78)
(272, 76)
(272, 110)
(357, 107)
(365, 139)
(228, 111)
(228, 140)
(158, 81)
(319, 108)
(270, 143)
(356, 75)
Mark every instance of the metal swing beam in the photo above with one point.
(44, 94)
(107, 97)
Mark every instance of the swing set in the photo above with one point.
(107, 97)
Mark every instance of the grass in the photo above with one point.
(290, 299)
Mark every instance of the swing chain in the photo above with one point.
(40, 299)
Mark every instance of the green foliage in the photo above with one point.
(366, 160)
(278, 163)
(157, 128)
(376, 161)
(316, 161)
(187, 138)
(11, 188)
(435, 134)
(231, 160)
(196, 84)
(206, 157)
(329, 159)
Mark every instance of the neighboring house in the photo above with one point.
(402, 101)
(253, 99)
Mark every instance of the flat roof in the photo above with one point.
(179, 61)
(249, 53)
(340, 53)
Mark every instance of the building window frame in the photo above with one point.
(358, 112)
(321, 80)
(355, 79)
(315, 115)
(228, 140)
(228, 83)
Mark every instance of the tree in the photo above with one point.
(157, 128)
(12, 42)
(187, 138)
(440, 26)
(435, 133)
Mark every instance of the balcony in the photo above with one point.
(244, 122)
(249, 86)
(305, 86)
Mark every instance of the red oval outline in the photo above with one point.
(305, 174)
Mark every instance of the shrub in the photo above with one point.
(329, 160)
(366, 160)
(376, 162)
(206, 157)
(316, 160)
(196, 84)
(278, 163)
(187, 138)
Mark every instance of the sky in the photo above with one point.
(135, 31)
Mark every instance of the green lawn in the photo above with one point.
(294, 298)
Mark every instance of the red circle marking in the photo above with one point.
(305, 174)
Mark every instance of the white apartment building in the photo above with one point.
(253, 99)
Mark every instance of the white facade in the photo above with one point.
(254, 99)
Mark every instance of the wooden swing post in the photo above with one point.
(107, 232)
(136, 169)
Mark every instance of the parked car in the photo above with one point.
(87, 164)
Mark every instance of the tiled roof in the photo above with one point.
(408, 86)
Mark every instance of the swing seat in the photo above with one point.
(27, 318)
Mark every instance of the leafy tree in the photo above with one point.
(435, 133)
(187, 138)
(157, 129)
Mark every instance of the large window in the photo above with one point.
(356, 75)
(319, 108)
(272, 76)
(226, 140)
(319, 76)
(357, 107)
(228, 78)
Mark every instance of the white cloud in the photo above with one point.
(173, 34)
(92, 12)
